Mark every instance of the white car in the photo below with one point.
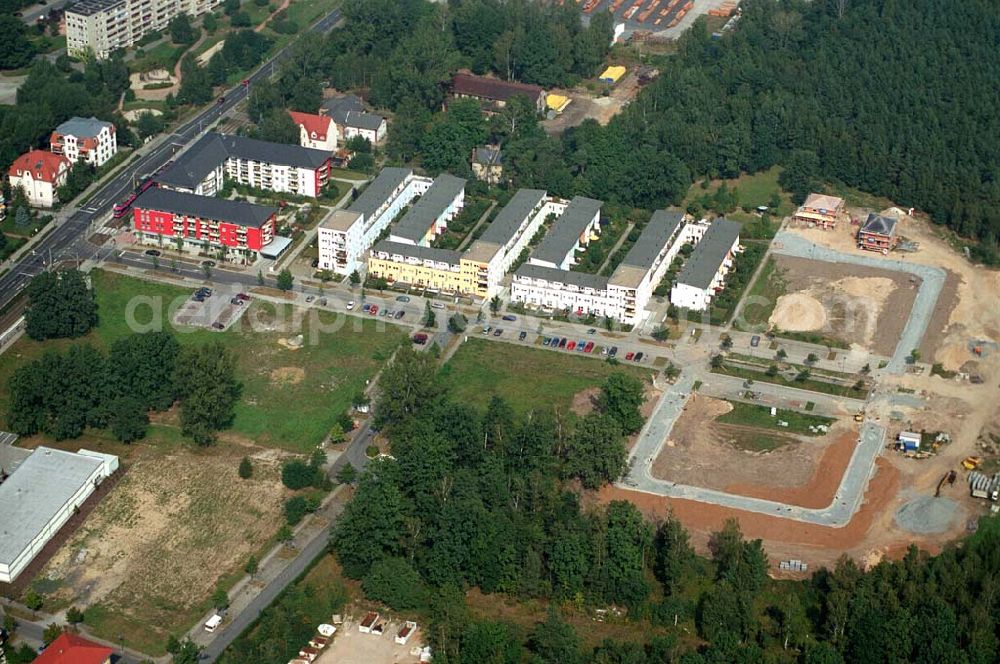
(437, 305)
(350, 305)
(213, 622)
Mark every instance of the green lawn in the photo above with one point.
(305, 12)
(290, 399)
(811, 384)
(753, 415)
(752, 191)
(528, 378)
(764, 293)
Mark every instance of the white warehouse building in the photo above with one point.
(41, 494)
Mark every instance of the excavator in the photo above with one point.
(948, 477)
(972, 462)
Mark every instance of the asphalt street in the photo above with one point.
(68, 239)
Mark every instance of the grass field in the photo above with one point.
(753, 415)
(752, 191)
(179, 523)
(290, 399)
(526, 377)
(764, 294)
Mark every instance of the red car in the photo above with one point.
(374, 310)
(571, 345)
(629, 356)
(420, 338)
(589, 347)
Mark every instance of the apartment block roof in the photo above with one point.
(555, 275)
(449, 256)
(211, 150)
(205, 207)
(879, 225)
(567, 229)
(509, 219)
(340, 220)
(35, 493)
(494, 89)
(639, 260)
(702, 265)
(379, 190)
(419, 218)
(83, 127)
(91, 7)
(41, 164)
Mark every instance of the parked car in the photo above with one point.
(208, 263)
(569, 345)
(399, 314)
(589, 347)
(350, 305)
(497, 332)
(613, 351)
(629, 356)
(755, 341)
(310, 298)
(437, 305)
(562, 342)
(522, 336)
(321, 301)
(487, 329)
(315, 263)
(384, 313)
(374, 310)
(153, 252)
(403, 298)
(218, 326)
(510, 317)
(580, 345)
(545, 341)
(237, 301)
(420, 338)
(366, 307)
(592, 331)
(243, 296)
(638, 356)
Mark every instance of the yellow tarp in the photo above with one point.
(557, 102)
(612, 74)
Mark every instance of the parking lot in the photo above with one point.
(212, 310)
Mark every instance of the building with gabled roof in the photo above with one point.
(495, 93)
(820, 209)
(579, 222)
(69, 648)
(316, 132)
(487, 164)
(429, 216)
(39, 173)
(351, 119)
(704, 272)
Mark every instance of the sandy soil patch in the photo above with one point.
(798, 312)
(133, 116)
(805, 471)
(155, 547)
(584, 401)
(864, 306)
(140, 80)
(287, 375)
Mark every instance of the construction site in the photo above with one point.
(913, 458)
(660, 17)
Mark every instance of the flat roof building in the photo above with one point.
(104, 26)
(40, 496)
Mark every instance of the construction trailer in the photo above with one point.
(909, 441)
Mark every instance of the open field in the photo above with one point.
(730, 447)
(752, 191)
(291, 397)
(147, 560)
(817, 301)
(528, 378)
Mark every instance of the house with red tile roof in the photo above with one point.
(73, 649)
(315, 131)
(39, 174)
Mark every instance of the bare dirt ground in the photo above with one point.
(584, 401)
(589, 105)
(154, 549)
(804, 471)
(862, 306)
(350, 646)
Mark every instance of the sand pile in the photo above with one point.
(798, 312)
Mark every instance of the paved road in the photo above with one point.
(923, 305)
(30, 633)
(30, 15)
(68, 238)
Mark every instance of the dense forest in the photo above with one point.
(492, 499)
